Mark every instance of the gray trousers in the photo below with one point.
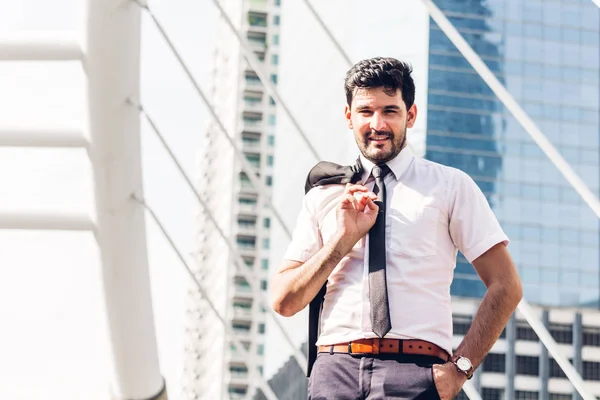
(351, 377)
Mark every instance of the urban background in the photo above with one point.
(276, 98)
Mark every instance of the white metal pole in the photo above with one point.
(45, 221)
(39, 46)
(42, 137)
(112, 64)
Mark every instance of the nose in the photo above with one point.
(377, 122)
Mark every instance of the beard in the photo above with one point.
(381, 153)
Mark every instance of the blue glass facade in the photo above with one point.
(547, 54)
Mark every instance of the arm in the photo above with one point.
(504, 292)
(476, 232)
(295, 284)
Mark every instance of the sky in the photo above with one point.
(53, 336)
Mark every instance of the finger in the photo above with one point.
(371, 207)
(361, 200)
(348, 201)
(350, 188)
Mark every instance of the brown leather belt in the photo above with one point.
(385, 346)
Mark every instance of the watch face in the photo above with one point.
(464, 364)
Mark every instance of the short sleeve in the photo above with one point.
(473, 226)
(306, 239)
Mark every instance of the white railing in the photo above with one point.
(109, 54)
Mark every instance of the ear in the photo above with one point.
(411, 116)
(348, 115)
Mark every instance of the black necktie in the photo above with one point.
(380, 311)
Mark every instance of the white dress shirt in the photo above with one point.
(432, 212)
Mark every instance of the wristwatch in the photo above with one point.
(464, 365)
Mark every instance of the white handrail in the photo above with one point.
(42, 137)
(36, 220)
(40, 46)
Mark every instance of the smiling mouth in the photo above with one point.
(379, 140)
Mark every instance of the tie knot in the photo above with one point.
(380, 171)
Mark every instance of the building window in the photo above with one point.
(260, 369)
(277, 2)
(269, 180)
(244, 180)
(264, 264)
(257, 19)
(494, 362)
(461, 324)
(562, 333)
(244, 222)
(247, 201)
(266, 244)
(561, 396)
(525, 395)
(591, 336)
(276, 20)
(492, 394)
(253, 159)
(274, 59)
(271, 101)
(237, 390)
(238, 369)
(257, 37)
(591, 371)
(241, 327)
(261, 328)
(246, 242)
(524, 332)
(274, 78)
(260, 349)
(527, 365)
(276, 39)
(267, 222)
(270, 160)
(263, 284)
(271, 140)
(555, 370)
(272, 120)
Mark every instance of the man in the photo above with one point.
(386, 251)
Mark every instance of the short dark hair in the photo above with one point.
(381, 72)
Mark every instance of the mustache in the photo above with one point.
(388, 135)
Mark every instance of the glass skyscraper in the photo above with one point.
(547, 55)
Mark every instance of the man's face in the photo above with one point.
(379, 122)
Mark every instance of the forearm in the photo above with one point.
(494, 312)
(294, 289)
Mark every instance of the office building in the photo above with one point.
(214, 368)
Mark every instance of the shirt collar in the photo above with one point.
(398, 164)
